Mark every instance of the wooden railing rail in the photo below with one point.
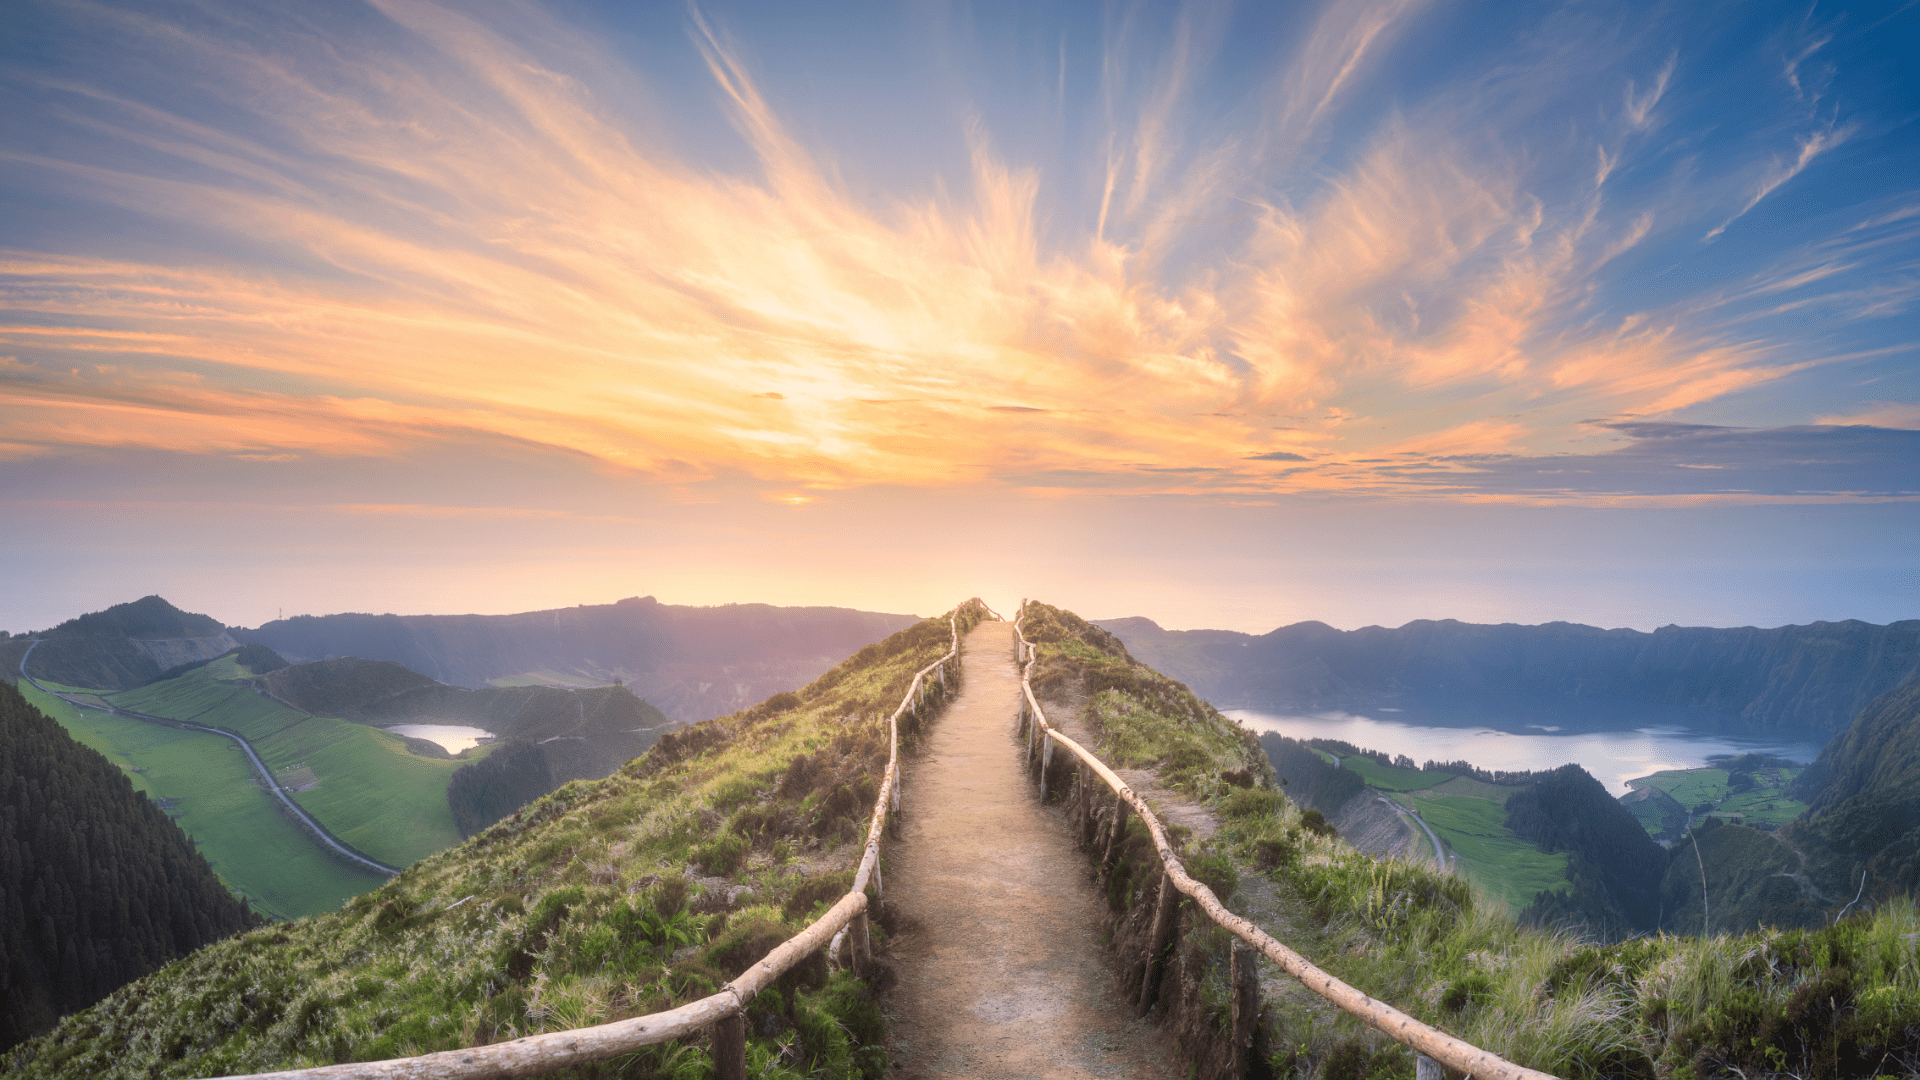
(723, 1012)
(1428, 1042)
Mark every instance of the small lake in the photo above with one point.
(1615, 741)
(453, 738)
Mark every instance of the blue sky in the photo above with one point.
(1228, 315)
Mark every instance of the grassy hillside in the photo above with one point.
(203, 783)
(1510, 869)
(371, 792)
(1840, 1001)
(605, 899)
(126, 645)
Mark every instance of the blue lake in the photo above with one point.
(1615, 741)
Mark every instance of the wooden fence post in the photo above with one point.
(1089, 821)
(1425, 1068)
(1046, 759)
(730, 1047)
(862, 947)
(1244, 976)
(1165, 908)
(1113, 847)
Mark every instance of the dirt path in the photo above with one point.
(1001, 969)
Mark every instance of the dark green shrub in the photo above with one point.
(1252, 802)
(1468, 991)
(721, 855)
(817, 894)
(1215, 872)
(1272, 854)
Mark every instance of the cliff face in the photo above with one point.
(1815, 676)
(1880, 751)
(693, 663)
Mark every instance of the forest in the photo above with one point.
(97, 886)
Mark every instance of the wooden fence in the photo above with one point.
(1434, 1047)
(722, 1012)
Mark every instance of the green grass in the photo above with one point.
(1508, 868)
(1765, 804)
(199, 697)
(1388, 778)
(1689, 787)
(255, 849)
(372, 794)
(1838, 1001)
(573, 911)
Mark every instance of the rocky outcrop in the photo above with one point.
(172, 652)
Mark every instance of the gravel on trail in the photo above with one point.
(998, 952)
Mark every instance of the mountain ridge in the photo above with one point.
(692, 663)
(1817, 675)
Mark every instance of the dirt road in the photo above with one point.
(1002, 972)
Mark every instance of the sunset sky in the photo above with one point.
(1226, 315)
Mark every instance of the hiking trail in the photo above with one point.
(1002, 969)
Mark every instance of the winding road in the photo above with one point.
(318, 830)
(1439, 853)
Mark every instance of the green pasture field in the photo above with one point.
(255, 849)
(1766, 803)
(1690, 787)
(1506, 867)
(199, 697)
(372, 793)
(1388, 778)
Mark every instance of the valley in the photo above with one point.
(207, 787)
(726, 836)
(321, 727)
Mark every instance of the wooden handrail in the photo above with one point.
(723, 1011)
(1393, 1023)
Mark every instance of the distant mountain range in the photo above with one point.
(693, 663)
(1816, 676)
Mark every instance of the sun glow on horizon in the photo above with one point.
(462, 237)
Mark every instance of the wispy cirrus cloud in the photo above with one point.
(392, 237)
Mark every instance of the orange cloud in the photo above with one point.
(488, 252)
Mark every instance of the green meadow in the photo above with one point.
(1504, 866)
(1388, 778)
(371, 793)
(257, 851)
(1766, 803)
